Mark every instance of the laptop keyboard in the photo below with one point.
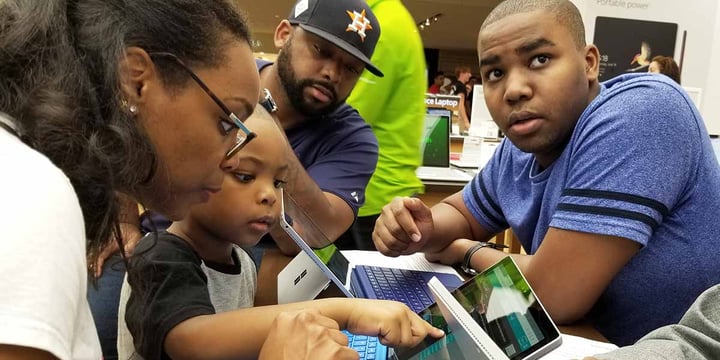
(366, 346)
(400, 285)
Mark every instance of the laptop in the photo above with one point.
(435, 149)
(477, 152)
(505, 316)
(373, 282)
(353, 282)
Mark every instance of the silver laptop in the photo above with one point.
(355, 283)
(351, 282)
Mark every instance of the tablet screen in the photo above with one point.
(503, 304)
(325, 250)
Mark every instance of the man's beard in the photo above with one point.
(294, 87)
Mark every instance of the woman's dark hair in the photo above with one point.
(668, 66)
(59, 80)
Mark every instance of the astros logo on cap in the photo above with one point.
(359, 23)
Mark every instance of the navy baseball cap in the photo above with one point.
(348, 24)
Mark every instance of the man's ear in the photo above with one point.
(283, 32)
(136, 69)
(592, 62)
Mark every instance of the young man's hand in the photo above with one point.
(451, 254)
(403, 227)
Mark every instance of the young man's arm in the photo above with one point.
(565, 262)
(407, 226)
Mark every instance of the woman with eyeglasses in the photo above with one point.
(102, 97)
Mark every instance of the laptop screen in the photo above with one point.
(300, 223)
(435, 144)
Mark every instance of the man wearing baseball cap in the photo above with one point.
(323, 47)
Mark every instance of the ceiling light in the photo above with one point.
(427, 22)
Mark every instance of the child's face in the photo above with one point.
(248, 205)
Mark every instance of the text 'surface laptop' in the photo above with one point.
(337, 268)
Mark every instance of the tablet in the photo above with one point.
(501, 301)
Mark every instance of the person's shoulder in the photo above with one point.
(644, 98)
(346, 124)
(508, 156)
(164, 246)
(649, 85)
(16, 153)
(345, 112)
(261, 64)
(348, 119)
(30, 174)
(458, 88)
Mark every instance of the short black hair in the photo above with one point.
(564, 11)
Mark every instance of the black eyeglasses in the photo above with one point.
(244, 135)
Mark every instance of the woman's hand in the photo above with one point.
(305, 335)
(130, 234)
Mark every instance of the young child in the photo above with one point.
(189, 282)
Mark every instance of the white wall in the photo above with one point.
(701, 20)
(711, 96)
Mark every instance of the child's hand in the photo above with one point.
(393, 322)
(304, 335)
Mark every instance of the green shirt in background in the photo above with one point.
(394, 105)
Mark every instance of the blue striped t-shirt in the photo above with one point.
(639, 165)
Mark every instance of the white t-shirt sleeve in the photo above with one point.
(43, 287)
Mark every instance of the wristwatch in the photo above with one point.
(268, 102)
(465, 266)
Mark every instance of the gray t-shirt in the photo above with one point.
(176, 284)
(696, 336)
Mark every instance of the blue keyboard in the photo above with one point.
(368, 347)
(406, 286)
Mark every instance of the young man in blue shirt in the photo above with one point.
(611, 188)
